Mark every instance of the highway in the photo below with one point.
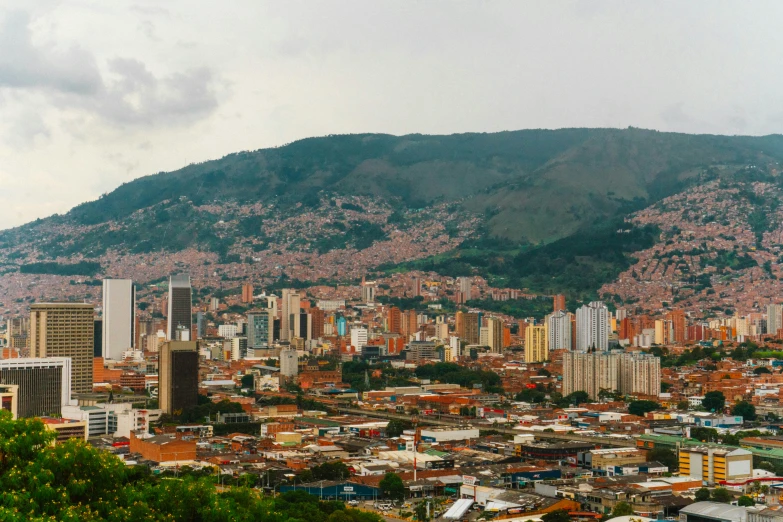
(435, 421)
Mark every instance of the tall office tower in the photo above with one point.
(472, 325)
(677, 317)
(289, 363)
(44, 384)
(238, 348)
(466, 287)
(640, 373)
(201, 325)
(459, 324)
(495, 335)
(247, 293)
(97, 338)
(303, 326)
(17, 334)
(410, 323)
(119, 317)
(291, 305)
(536, 344)
(661, 333)
(180, 304)
(774, 318)
(456, 347)
(260, 329)
(65, 330)
(590, 372)
(416, 286)
(559, 330)
(318, 318)
(592, 327)
(359, 338)
(394, 320)
(178, 375)
(368, 292)
(342, 326)
(559, 303)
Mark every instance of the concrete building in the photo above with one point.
(592, 327)
(228, 331)
(640, 374)
(119, 318)
(559, 330)
(289, 363)
(358, 338)
(178, 375)
(774, 318)
(536, 344)
(44, 384)
(247, 293)
(65, 330)
(180, 305)
(713, 464)
(9, 399)
(628, 373)
(290, 305)
(368, 292)
(260, 329)
(495, 335)
(421, 351)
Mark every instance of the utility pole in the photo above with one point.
(415, 420)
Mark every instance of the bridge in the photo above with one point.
(606, 442)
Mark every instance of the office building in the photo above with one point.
(359, 338)
(303, 326)
(97, 338)
(228, 331)
(318, 321)
(291, 305)
(420, 351)
(44, 384)
(714, 464)
(9, 399)
(559, 330)
(178, 375)
(342, 326)
(260, 330)
(394, 320)
(201, 325)
(456, 348)
(17, 334)
(119, 317)
(536, 344)
(247, 293)
(677, 318)
(465, 288)
(238, 348)
(65, 330)
(495, 335)
(180, 304)
(471, 325)
(289, 363)
(558, 303)
(592, 327)
(628, 373)
(368, 291)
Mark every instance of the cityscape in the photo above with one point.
(391, 261)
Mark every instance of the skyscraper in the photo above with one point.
(774, 319)
(178, 375)
(592, 327)
(465, 288)
(677, 317)
(119, 317)
(247, 293)
(472, 327)
(289, 363)
(394, 320)
(558, 303)
(495, 335)
(318, 319)
(260, 329)
(559, 330)
(180, 304)
(536, 344)
(628, 373)
(44, 384)
(65, 330)
(368, 292)
(290, 306)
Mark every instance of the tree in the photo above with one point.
(761, 369)
(713, 401)
(560, 515)
(574, 399)
(705, 434)
(392, 487)
(622, 509)
(744, 409)
(421, 511)
(746, 501)
(395, 428)
(665, 456)
(640, 408)
(247, 381)
(721, 495)
(702, 495)
(683, 405)
(331, 471)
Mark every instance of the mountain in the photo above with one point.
(515, 204)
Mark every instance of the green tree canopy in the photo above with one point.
(392, 487)
(665, 456)
(640, 408)
(745, 409)
(559, 515)
(702, 495)
(746, 501)
(713, 401)
(721, 495)
(622, 509)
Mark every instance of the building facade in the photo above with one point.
(592, 327)
(119, 318)
(178, 375)
(44, 384)
(180, 305)
(536, 344)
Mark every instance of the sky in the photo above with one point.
(94, 94)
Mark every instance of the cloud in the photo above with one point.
(127, 94)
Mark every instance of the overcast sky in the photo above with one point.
(94, 94)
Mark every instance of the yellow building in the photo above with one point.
(713, 464)
(536, 344)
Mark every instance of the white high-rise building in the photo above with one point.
(291, 305)
(466, 287)
(456, 346)
(119, 317)
(592, 327)
(559, 330)
(359, 338)
(774, 318)
(228, 331)
(289, 363)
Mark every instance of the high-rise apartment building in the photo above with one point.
(44, 384)
(465, 288)
(592, 327)
(472, 327)
(536, 344)
(17, 334)
(495, 335)
(260, 329)
(178, 375)
(677, 317)
(65, 330)
(559, 303)
(358, 338)
(559, 330)
(291, 305)
(318, 318)
(303, 326)
(628, 373)
(119, 317)
(289, 363)
(368, 292)
(394, 320)
(247, 293)
(774, 318)
(180, 304)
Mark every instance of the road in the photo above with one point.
(435, 421)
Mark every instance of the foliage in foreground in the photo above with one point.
(75, 482)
